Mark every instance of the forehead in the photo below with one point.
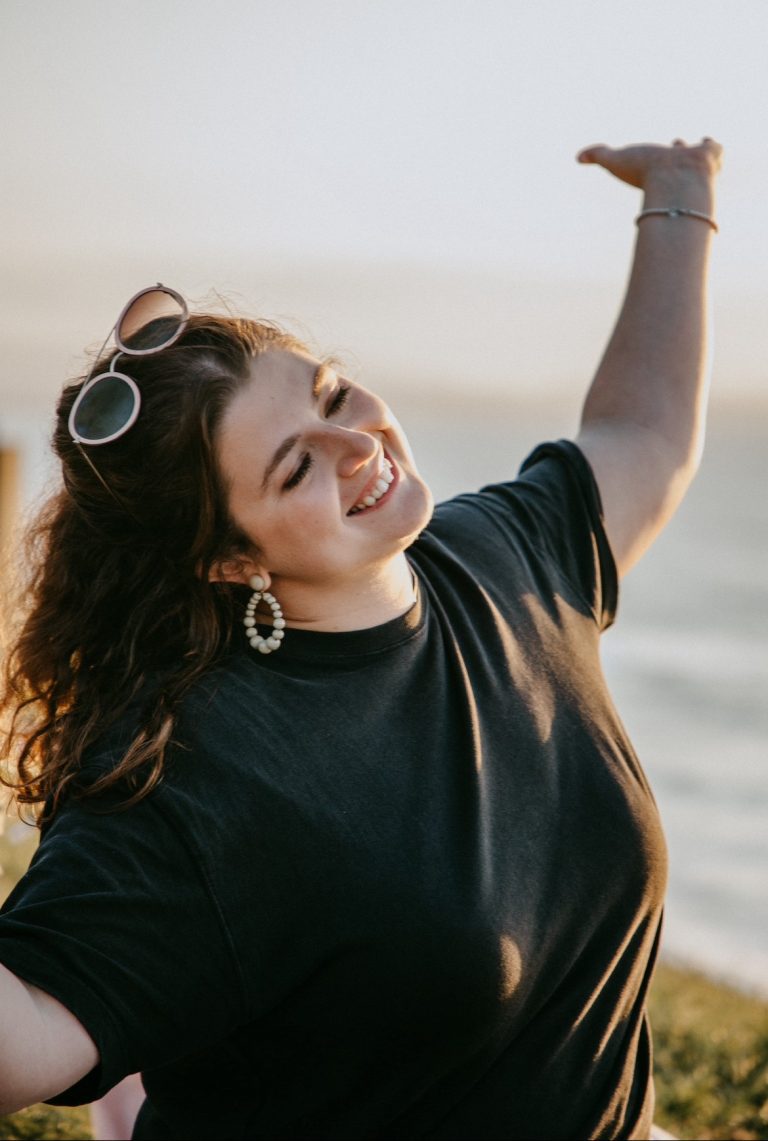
(284, 366)
(268, 408)
(280, 382)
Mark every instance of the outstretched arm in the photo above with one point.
(643, 418)
(43, 1048)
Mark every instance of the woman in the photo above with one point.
(389, 868)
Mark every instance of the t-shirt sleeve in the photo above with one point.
(564, 503)
(115, 919)
(550, 517)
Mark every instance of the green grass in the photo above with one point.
(46, 1121)
(711, 1058)
(710, 1043)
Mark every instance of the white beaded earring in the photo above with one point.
(272, 641)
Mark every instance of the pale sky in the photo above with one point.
(397, 176)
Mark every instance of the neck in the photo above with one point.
(383, 593)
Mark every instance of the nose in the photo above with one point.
(355, 449)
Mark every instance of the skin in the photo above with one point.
(642, 425)
(641, 430)
(330, 569)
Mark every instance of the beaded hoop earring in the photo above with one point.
(272, 642)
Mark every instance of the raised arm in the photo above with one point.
(643, 419)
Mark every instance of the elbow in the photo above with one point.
(676, 470)
(685, 441)
(684, 464)
(676, 455)
(683, 473)
(696, 454)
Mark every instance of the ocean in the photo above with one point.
(687, 663)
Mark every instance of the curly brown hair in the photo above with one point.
(118, 593)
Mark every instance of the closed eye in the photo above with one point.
(338, 401)
(303, 468)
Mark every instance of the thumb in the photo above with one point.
(596, 153)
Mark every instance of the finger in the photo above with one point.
(713, 148)
(596, 153)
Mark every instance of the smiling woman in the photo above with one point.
(357, 887)
(338, 503)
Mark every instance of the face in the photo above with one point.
(320, 475)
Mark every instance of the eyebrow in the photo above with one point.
(283, 449)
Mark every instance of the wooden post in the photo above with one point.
(9, 495)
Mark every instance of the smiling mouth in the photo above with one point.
(379, 491)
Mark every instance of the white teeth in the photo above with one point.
(381, 487)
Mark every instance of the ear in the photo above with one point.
(240, 569)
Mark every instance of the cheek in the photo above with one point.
(398, 433)
(299, 528)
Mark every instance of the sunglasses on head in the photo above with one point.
(108, 404)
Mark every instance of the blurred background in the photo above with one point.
(395, 181)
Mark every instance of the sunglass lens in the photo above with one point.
(106, 410)
(151, 322)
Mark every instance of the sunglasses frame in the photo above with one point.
(91, 381)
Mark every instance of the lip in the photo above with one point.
(372, 483)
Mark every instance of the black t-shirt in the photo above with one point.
(403, 882)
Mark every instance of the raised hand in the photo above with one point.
(642, 163)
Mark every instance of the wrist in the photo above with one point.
(690, 186)
(676, 212)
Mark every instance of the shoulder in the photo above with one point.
(548, 520)
(555, 481)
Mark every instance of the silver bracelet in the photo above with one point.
(676, 212)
